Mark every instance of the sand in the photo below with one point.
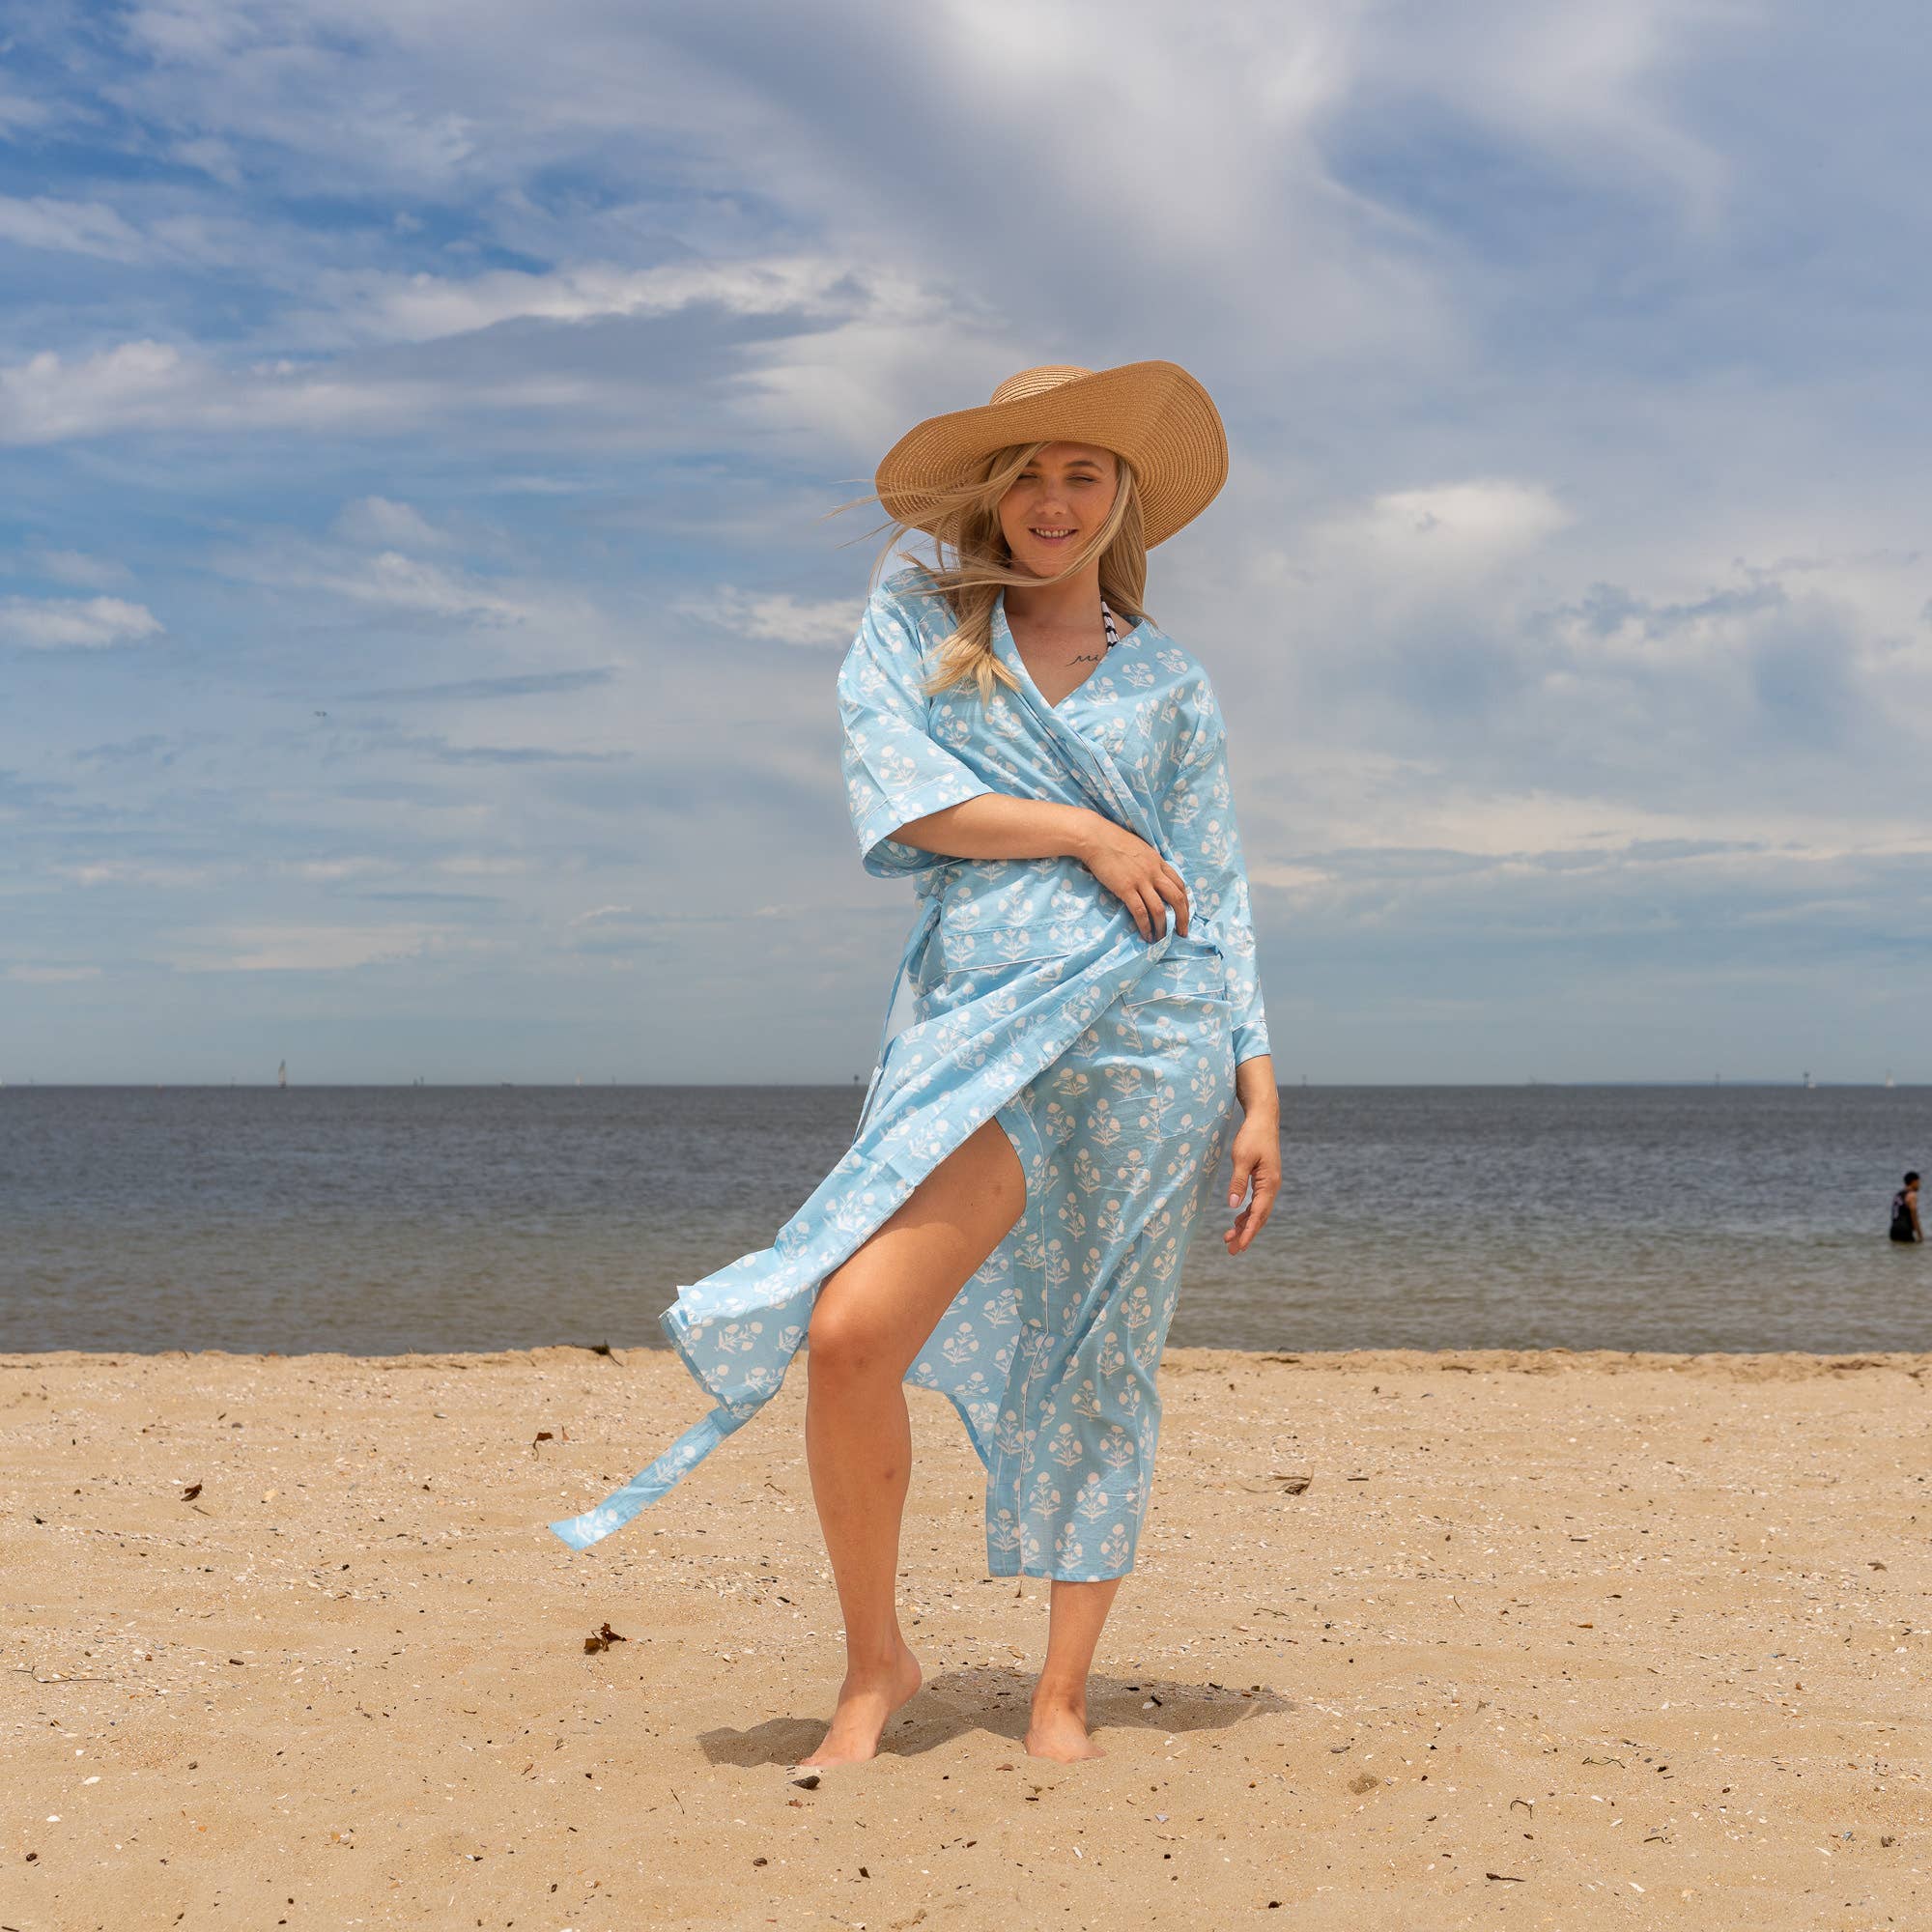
(1547, 1639)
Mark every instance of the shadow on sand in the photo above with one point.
(994, 1699)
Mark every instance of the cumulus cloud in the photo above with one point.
(75, 623)
(157, 386)
(1567, 590)
(778, 617)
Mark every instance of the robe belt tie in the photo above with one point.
(930, 892)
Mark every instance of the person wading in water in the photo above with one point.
(1905, 1225)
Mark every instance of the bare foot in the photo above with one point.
(1059, 1731)
(864, 1703)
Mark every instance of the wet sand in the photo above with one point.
(1546, 1641)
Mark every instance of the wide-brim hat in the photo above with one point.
(1154, 413)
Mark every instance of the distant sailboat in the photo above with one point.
(1887, 1076)
(282, 1074)
(1809, 1083)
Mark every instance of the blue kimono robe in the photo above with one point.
(1109, 1060)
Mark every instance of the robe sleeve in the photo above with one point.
(895, 771)
(1199, 813)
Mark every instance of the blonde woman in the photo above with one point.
(1009, 1224)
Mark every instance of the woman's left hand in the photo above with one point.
(1257, 1167)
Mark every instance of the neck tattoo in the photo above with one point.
(1113, 638)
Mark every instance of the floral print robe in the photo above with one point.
(1108, 1060)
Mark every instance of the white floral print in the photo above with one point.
(1107, 1059)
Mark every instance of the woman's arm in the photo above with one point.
(1255, 1085)
(1199, 811)
(915, 804)
(999, 825)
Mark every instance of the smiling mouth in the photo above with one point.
(1050, 535)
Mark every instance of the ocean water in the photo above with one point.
(381, 1220)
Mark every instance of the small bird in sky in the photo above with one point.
(322, 714)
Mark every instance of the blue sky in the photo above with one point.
(418, 616)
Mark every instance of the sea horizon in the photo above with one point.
(376, 1218)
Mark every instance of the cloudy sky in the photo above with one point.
(418, 612)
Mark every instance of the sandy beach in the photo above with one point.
(1416, 1641)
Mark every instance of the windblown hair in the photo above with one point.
(966, 523)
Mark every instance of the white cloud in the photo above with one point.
(387, 524)
(482, 865)
(77, 567)
(1456, 532)
(1442, 814)
(153, 386)
(1582, 85)
(135, 872)
(21, 110)
(46, 398)
(68, 227)
(388, 578)
(75, 623)
(374, 306)
(778, 617)
(300, 948)
(214, 158)
(324, 871)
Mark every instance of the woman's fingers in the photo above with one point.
(1166, 888)
(1147, 897)
(1257, 1177)
(1174, 889)
(1251, 1219)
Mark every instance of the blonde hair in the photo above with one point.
(965, 520)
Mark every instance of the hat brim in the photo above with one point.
(1154, 413)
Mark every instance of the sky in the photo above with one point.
(419, 605)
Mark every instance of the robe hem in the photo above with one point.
(898, 1182)
(1054, 1576)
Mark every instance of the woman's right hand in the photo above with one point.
(1136, 874)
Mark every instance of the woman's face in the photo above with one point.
(1056, 504)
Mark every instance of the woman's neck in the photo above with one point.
(1067, 605)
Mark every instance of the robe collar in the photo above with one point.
(1093, 769)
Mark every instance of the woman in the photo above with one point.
(1011, 1222)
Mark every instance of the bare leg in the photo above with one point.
(871, 1317)
(1058, 1725)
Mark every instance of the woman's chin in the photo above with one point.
(1049, 563)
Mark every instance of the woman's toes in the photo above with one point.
(863, 1710)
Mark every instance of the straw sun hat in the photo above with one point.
(1154, 413)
